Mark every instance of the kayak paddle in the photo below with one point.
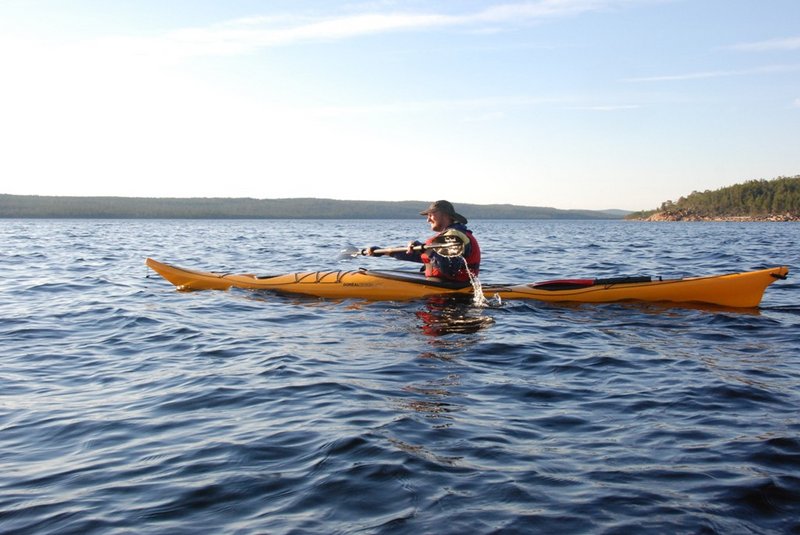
(445, 245)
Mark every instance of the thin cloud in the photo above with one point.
(246, 35)
(769, 69)
(788, 43)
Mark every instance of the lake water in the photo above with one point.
(129, 407)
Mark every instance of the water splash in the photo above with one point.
(478, 299)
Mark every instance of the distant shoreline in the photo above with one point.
(52, 207)
(694, 218)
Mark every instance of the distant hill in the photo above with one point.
(34, 206)
(756, 200)
(618, 214)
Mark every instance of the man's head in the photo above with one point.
(441, 215)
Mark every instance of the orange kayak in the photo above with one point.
(743, 290)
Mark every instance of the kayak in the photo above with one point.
(743, 290)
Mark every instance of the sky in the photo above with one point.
(572, 104)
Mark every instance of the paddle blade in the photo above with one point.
(449, 244)
(352, 252)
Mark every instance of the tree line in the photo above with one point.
(754, 198)
(33, 206)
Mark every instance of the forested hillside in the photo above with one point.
(32, 206)
(777, 199)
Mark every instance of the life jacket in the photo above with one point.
(452, 267)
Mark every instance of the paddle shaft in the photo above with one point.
(444, 249)
(390, 250)
(445, 245)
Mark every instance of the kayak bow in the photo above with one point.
(741, 290)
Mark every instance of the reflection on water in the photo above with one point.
(449, 315)
(433, 399)
(425, 454)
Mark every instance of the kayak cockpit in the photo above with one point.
(417, 278)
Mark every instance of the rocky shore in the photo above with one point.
(683, 215)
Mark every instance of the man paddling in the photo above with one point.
(443, 218)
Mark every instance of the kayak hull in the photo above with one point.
(740, 290)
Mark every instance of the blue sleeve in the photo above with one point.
(413, 257)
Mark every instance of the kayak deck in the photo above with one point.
(741, 290)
